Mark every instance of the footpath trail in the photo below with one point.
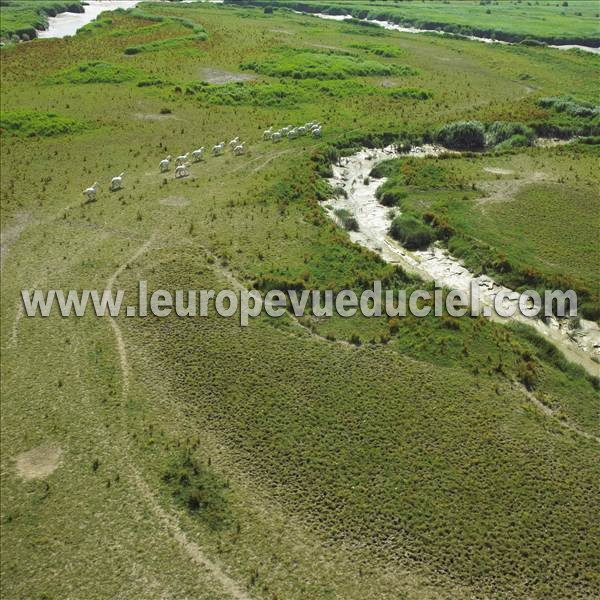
(167, 520)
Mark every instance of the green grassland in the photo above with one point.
(292, 459)
(572, 22)
(21, 18)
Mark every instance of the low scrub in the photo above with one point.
(347, 219)
(571, 106)
(251, 94)
(464, 135)
(411, 232)
(412, 93)
(200, 490)
(308, 64)
(163, 44)
(94, 72)
(499, 132)
(27, 123)
(383, 50)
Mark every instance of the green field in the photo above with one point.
(309, 458)
(566, 22)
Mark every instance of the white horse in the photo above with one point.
(234, 142)
(239, 149)
(218, 149)
(267, 134)
(116, 183)
(164, 164)
(197, 154)
(182, 158)
(90, 193)
(277, 136)
(292, 134)
(316, 132)
(301, 130)
(181, 171)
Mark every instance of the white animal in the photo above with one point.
(267, 134)
(218, 149)
(316, 132)
(90, 193)
(301, 130)
(234, 142)
(277, 136)
(292, 134)
(165, 163)
(181, 171)
(116, 183)
(197, 154)
(182, 158)
(239, 149)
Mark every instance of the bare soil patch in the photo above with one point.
(505, 190)
(174, 201)
(38, 463)
(219, 76)
(11, 234)
(153, 116)
(497, 171)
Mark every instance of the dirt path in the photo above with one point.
(11, 235)
(167, 520)
(548, 412)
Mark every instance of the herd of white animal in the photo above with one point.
(291, 133)
(236, 146)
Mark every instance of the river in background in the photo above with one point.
(68, 23)
(395, 27)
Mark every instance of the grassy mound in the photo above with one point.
(411, 232)
(310, 64)
(94, 72)
(28, 123)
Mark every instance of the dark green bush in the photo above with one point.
(411, 232)
(500, 131)
(464, 135)
(346, 219)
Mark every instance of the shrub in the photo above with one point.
(346, 219)
(390, 197)
(251, 94)
(309, 64)
(94, 72)
(199, 489)
(412, 93)
(411, 232)
(29, 123)
(500, 131)
(516, 141)
(568, 104)
(464, 135)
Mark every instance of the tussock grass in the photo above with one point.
(31, 124)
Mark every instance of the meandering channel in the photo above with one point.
(67, 23)
(404, 29)
(352, 174)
